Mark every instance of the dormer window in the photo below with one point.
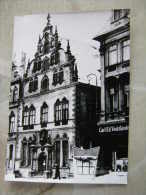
(12, 122)
(117, 14)
(33, 84)
(45, 83)
(58, 76)
(45, 65)
(15, 94)
(36, 66)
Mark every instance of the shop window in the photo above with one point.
(45, 83)
(12, 122)
(112, 55)
(112, 100)
(126, 50)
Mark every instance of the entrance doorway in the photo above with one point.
(42, 159)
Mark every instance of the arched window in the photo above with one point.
(58, 76)
(26, 116)
(55, 75)
(65, 149)
(57, 111)
(32, 114)
(61, 75)
(12, 122)
(30, 86)
(33, 84)
(44, 115)
(35, 64)
(45, 65)
(39, 64)
(15, 94)
(45, 83)
(65, 111)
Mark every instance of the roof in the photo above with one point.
(111, 30)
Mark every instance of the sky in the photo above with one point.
(78, 28)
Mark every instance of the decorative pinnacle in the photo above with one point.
(48, 18)
(39, 39)
(68, 47)
(56, 31)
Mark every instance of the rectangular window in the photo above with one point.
(126, 96)
(25, 118)
(125, 50)
(12, 124)
(113, 100)
(117, 14)
(32, 117)
(112, 55)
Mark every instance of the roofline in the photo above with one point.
(110, 32)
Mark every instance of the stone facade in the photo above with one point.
(115, 76)
(47, 113)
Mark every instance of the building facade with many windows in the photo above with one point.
(50, 112)
(114, 117)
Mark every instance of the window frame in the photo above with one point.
(111, 51)
(123, 47)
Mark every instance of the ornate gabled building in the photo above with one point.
(114, 117)
(50, 111)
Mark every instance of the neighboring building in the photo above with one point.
(114, 116)
(50, 111)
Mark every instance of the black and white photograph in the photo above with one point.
(69, 98)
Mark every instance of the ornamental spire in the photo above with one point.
(68, 47)
(48, 19)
